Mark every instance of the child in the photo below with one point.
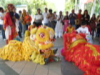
(84, 29)
(70, 28)
(66, 23)
(32, 26)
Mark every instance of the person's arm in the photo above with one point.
(70, 16)
(88, 17)
(35, 18)
(30, 18)
(75, 15)
(2, 18)
(82, 17)
(48, 16)
(87, 31)
(42, 17)
(6, 21)
(66, 30)
(78, 30)
(54, 17)
(59, 17)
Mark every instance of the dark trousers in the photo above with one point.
(20, 29)
(20, 35)
(3, 31)
(77, 26)
(52, 24)
(27, 26)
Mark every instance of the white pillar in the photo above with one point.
(82, 5)
(76, 6)
(93, 8)
(60, 5)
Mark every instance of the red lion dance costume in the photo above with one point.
(9, 24)
(86, 56)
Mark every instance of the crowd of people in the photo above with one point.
(82, 23)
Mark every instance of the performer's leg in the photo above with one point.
(3, 32)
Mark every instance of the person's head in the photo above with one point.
(86, 12)
(73, 11)
(34, 24)
(83, 24)
(11, 7)
(60, 13)
(55, 12)
(24, 12)
(50, 11)
(46, 9)
(93, 16)
(20, 12)
(1, 9)
(39, 11)
(67, 13)
(70, 25)
(80, 11)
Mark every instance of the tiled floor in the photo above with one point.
(30, 68)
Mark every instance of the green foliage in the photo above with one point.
(51, 6)
(35, 4)
(89, 7)
(97, 7)
(32, 4)
(97, 10)
(70, 4)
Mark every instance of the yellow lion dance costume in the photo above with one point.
(36, 46)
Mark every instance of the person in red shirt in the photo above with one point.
(9, 24)
(80, 16)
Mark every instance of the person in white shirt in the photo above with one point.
(59, 26)
(84, 29)
(38, 18)
(45, 19)
(2, 22)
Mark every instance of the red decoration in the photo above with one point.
(86, 56)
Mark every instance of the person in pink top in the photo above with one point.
(66, 21)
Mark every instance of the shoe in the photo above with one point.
(55, 51)
(57, 59)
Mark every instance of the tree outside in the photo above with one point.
(33, 5)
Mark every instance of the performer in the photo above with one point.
(84, 29)
(85, 55)
(9, 24)
(70, 28)
(32, 26)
